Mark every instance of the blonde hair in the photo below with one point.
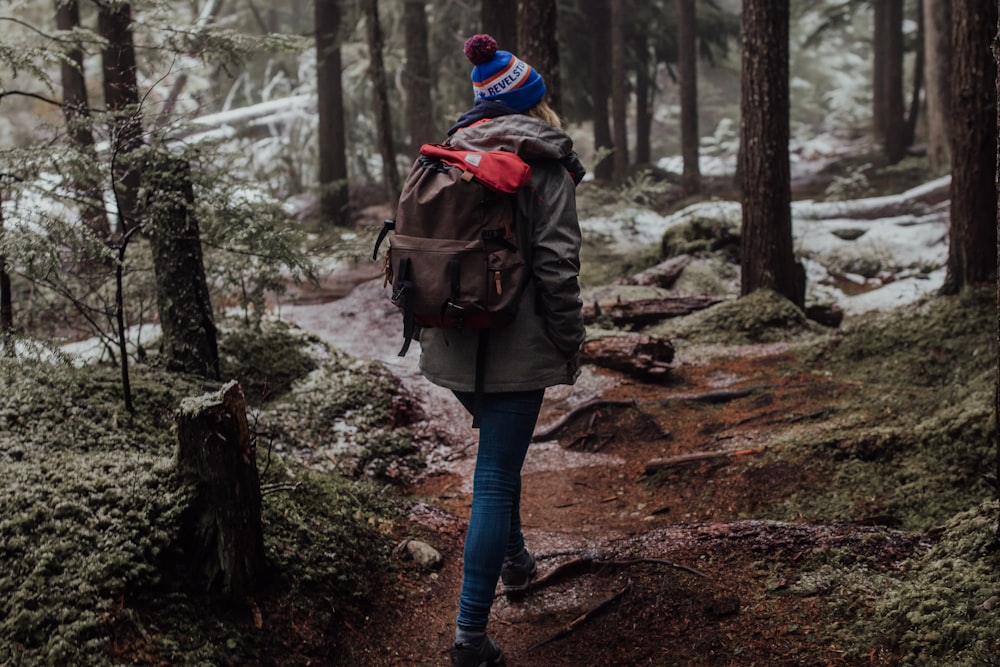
(543, 112)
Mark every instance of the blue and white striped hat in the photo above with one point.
(500, 75)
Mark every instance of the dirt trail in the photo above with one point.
(586, 496)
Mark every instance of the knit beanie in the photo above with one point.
(502, 76)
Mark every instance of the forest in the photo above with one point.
(782, 446)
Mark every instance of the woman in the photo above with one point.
(537, 350)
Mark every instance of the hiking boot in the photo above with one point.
(484, 654)
(517, 573)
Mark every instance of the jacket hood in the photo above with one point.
(516, 133)
(528, 137)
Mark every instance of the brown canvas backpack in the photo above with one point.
(453, 259)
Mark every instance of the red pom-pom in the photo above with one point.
(480, 49)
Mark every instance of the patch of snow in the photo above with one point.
(894, 294)
(708, 165)
(633, 226)
(93, 350)
(908, 251)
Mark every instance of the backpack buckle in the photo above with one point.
(455, 312)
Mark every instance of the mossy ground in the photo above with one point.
(907, 441)
(92, 508)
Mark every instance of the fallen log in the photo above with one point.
(921, 200)
(642, 356)
(663, 274)
(644, 312)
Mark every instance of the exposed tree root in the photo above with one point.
(589, 565)
(656, 465)
(600, 403)
(582, 618)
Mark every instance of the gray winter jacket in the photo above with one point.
(540, 347)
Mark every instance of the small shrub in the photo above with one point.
(268, 358)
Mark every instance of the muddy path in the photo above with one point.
(659, 526)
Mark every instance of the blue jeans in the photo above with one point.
(507, 421)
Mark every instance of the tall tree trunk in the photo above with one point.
(333, 192)
(687, 66)
(499, 18)
(221, 533)
(6, 298)
(189, 340)
(767, 256)
(972, 238)
(600, 78)
(619, 91)
(538, 45)
(643, 100)
(937, 50)
(121, 96)
(417, 76)
(879, 56)
(383, 120)
(895, 120)
(996, 387)
(910, 131)
(76, 109)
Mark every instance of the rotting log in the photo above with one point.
(645, 312)
(222, 535)
(664, 274)
(642, 356)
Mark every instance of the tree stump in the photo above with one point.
(222, 535)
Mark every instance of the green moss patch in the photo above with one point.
(343, 417)
(77, 531)
(92, 509)
(326, 540)
(940, 607)
(761, 317)
(702, 235)
(913, 470)
(915, 432)
(939, 341)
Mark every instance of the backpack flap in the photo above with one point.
(498, 170)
